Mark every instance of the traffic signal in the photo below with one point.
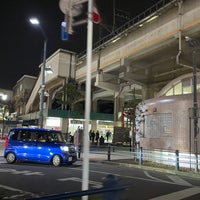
(96, 18)
(64, 33)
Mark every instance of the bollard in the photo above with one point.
(79, 150)
(109, 152)
(177, 159)
(110, 182)
(113, 148)
(140, 156)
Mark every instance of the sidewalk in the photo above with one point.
(1, 147)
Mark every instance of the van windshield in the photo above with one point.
(55, 137)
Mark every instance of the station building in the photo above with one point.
(148, 58)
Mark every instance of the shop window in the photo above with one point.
(183, 87)
(170, 92)
(178, 89)
(187, 86)
(198, 84)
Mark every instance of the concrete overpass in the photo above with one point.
(147, 54)
(142, 56)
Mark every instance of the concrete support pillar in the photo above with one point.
(94, 105)
(94, 109)
(64, 125)
(147, 92)
(118, 111)
(94, 125)
(44, 122)
(49, 102)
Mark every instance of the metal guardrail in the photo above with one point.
(173, 158)
(129, 25)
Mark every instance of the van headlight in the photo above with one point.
(64, 148)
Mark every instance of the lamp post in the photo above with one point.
(194, 44)
(4, 109)
(36, 22)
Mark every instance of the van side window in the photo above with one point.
(25, 136)
(49, 137)
(33, 136)
(14, 135)
(41, 137)
(56, 137)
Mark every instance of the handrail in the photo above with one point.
(175, 158)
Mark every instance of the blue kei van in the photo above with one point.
(38, 145)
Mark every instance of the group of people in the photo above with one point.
(96, 138)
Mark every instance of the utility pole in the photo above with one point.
(86, 144)
(194, 44)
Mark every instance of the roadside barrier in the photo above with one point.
(175, 159)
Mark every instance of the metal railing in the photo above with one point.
(175, 159)
(144, 16)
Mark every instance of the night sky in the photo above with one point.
(21, 44)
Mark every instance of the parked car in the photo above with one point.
(38, 145)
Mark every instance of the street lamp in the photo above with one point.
(36, 22)
(194, 44)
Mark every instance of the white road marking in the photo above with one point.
(150, 178)
(17, 196)
(34, 173)
(96, 184)
(154, 178)
(93, 184)
(26, 173)
(179, 181)
(19, 172)
(10, 188)
(180, 194)
(7, 170)
(176, 179)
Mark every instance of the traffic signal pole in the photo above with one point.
(86, 144)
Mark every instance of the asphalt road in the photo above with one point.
(27, 180)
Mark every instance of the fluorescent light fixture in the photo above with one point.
(115, 40)
(187, 38)
(152, 18)
(49, 70)
(34, 21)
(4, 97)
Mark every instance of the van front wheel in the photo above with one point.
(56, 160)
(10, 158)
